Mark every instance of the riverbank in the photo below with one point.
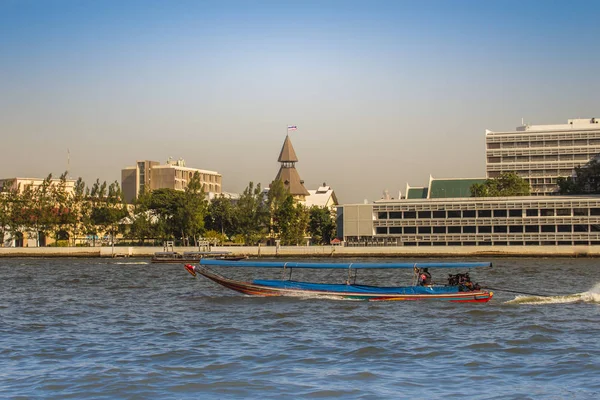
(315, 251)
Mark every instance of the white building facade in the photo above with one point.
(542, 153)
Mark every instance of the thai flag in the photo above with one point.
(292, 127)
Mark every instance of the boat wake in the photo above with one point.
(591, 296)
(133, 263)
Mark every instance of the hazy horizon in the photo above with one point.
(384, 93)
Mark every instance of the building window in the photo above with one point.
(548, 228)
(563, 212)
(595, 211)
(410, 215)
(439, 214)
(500, 229)
(381, 230)
(531, 213)
(439, 229)
(424, 214)
(563, 228)
(469, 229)
(515, 213)
(425, 229)
(410, 230)
(484, 213)
(580, 228)
(484, 229)
(547, 212)
(382, 215)
(395, 215)
(500, 213)
(516, 229)
(532, 228)
(454, 229)
(395, 230)
(579, 212)
(453, 214)
(469, 214)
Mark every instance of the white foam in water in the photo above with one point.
(133, 263)
(591, 296)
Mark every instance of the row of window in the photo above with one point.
(545, 143)
(428, 230)
(448, 214)
(510, 243)
(563, 157)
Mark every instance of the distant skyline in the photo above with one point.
(383, 93)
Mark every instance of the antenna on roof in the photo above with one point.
(522, 121)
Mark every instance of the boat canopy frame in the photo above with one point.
(349, 266)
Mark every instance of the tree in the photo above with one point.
(507, 184)
(142, 226)
(39, 208)
(321, 225)
(277, 197)
(78, 203)
(252, 215)
(109, 210)
(585, 181)
(220, 216)
(293, 220)
(63, 209)
(191, 212)
(5, 208)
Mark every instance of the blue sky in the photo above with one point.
(383, 93)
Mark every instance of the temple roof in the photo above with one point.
(287, 152)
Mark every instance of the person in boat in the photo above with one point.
(424, 277)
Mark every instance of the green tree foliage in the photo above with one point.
(292, 219)
(221, 216)
(141, 218)
(252, 215)
(108, 209)
(321, 225)
(507, 184)
(585, 181)
(191, 213)
(278, 195)
(179, 215)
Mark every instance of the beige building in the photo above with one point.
(490, 221)
(21, 183)
(542, 153)
(151, 175)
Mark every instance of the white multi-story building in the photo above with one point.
(542, 153)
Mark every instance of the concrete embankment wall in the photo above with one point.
(316, 251)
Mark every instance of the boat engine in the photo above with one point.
(463, 281)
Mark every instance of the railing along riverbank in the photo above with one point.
(315, 251)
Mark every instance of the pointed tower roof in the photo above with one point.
(287, 152)
(291, 180)
(288, 173)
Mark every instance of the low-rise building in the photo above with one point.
(21, 184)
(151, 175)
(324, 196)
(490, 221)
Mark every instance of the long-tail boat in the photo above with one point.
(458, 288)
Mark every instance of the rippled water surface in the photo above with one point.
(97, 328)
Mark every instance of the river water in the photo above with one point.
(103, 328)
